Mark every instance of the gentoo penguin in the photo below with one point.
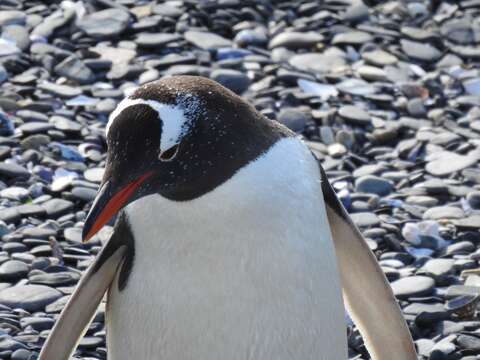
(229, 241)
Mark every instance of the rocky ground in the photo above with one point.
(386, 92)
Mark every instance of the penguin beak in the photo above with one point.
(107, 203)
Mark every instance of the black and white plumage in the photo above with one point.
(231, 244)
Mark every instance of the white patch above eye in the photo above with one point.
(174, 121)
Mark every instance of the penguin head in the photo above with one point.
(179, 137)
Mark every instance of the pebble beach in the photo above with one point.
(385, 93)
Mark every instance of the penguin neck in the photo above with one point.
(259, 191)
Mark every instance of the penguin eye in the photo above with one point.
(169, 154)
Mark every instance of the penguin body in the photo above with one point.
(229, 242)
(246, 271)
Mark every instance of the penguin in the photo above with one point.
(229, 242)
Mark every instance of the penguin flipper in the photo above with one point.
(366, 291)
(83, 303)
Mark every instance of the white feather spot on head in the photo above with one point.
(174, 121)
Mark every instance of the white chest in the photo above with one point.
(246, 271)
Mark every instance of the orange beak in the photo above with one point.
(107, 204)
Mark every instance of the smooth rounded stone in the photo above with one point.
(13, 270)
(379, 57)
(15, 193)
(419, 34)
(57, 207)
(424, 346)
(91, 342)
(74, 69)
(63, 91)
(295, 40)
(156, 39)
(319, 63)
(447, 163)
(37, 323)
(254, 37)
(470, 222)
(104, 23)
(392, 263)
(195, 70)
(472, 86)
(84, 194)
(434, 186)
(365, 219)
(73, 234)
(443, 348)
(12, 170)
(373, 184)
(94, 174)
(32, 116)
(9, 344)
(443, 212)
(372, 73)
(63, 124)
(292, 118)
(169, 9)
(35, 128)
(9, 215)
(38, 232)
(57, 279)
(355, 115)
(21, 354)
(56, 20)
(473, 199)
(413, 286)
(460, 31)
(420, 51)
(12, 17)
(206, 40)
(337, 150)
(14, 247)
(416, 107)
(148, 76)
(438, 267)
(324, 91)
(475, 125)
(234, 80)
(18, 34)
(461, 247)
(35, 142)
(29, 297)
(352, 38)
(8, 48)
(468, 342)
(418, 308)
(356, 12)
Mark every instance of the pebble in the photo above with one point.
(443, 212)
(206, 40)
(234, 80)
(295, 40)
(365, 219)
(413, 286)
(420, 51)
(104, 23)
(29, 297)
(293, 119)
(13, 270)
(373, 184)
